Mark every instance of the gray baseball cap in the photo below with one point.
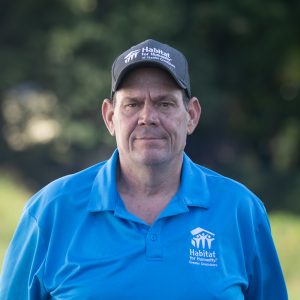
(152, 53)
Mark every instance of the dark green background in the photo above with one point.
(55, 60)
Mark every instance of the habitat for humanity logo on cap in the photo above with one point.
(150, 53)
(131, 55)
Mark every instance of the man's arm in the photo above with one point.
(266, 278)
(22, 271)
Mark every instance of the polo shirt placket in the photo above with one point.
(150, 233)
(153, 243)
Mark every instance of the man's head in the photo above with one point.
(149, 116)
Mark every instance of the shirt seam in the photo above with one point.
(45, 246)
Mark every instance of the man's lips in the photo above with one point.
(149, 135)
(149, 138)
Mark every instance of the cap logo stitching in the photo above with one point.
(149, 53)
(131, 55)
(157, 54)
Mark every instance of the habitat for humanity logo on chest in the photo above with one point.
(202, 251)
(149, 53)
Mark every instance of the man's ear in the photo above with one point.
(107, 115)
(194, 111)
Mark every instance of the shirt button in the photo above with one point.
(153, 237)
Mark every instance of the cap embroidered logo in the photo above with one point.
(149, 54)
(131, 55)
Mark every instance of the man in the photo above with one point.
(148, 223)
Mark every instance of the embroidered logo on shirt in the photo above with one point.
(202, 253)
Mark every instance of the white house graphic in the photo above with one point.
(202, 237)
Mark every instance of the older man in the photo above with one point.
(148, 223)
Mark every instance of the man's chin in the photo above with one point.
(152, 157)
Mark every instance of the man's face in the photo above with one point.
(149, 118)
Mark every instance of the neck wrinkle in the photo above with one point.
(149, 180)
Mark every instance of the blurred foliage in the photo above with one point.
(244, 56)
(286, 231)
(13, 195)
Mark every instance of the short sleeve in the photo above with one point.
(266, 278)
(22, 272)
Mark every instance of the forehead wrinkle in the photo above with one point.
(148, 82)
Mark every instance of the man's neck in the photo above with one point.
(149, 180)
(147, 190)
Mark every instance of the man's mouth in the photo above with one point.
(149, 138)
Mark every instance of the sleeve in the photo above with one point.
(266, 277)
(22, 272)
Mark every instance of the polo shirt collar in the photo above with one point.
(193, 184)
(193, 189)
(104, 192)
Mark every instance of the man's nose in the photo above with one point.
(148, 114)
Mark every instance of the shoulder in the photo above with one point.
(65, 192)
(230, 193)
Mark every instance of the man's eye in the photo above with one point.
(166, 104)
(131, 105)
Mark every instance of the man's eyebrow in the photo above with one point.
(157, 98)
(131, 98)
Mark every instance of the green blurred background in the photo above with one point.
(55, 60)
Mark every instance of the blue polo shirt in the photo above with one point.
(76, 240)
